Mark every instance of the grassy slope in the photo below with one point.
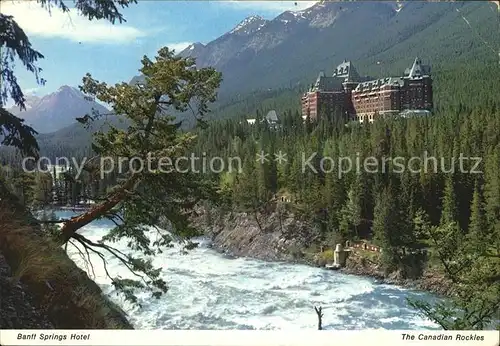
(61, 290)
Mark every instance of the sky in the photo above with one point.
(73, 45)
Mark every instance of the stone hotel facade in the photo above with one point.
(363, 100)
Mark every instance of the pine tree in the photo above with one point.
(492, 192)
(473, 265)
(386, 224)
(478, 225)
(353, 207)
(393, 231)
(449, 212)
(140, 198)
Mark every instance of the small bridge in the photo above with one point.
(362, 246)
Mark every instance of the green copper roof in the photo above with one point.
(347, 72)
(324, 83)
(376, 84)
(417, 70)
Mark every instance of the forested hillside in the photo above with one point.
(346, 205)
(470, 84)
(457, 39)
(269, 67)
(380, 40)
(425, 189)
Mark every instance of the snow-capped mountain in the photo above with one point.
(249, 25)
(291, 48)
(56, 110)
(266, 43)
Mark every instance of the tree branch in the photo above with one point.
(115, 252)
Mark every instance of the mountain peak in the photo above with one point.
(58, 109)
(249, 25)
(192, 50)
(69, 91)
(194, 45)
(251, 19)
(65, 87)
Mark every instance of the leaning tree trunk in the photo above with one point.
(70, 227)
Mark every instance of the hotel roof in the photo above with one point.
(347, 72)
(379, 83)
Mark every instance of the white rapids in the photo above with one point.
(208, 290)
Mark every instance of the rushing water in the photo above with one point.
(212, 291)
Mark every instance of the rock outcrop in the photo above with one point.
(272, 237)
(279, 236)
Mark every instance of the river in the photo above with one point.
(208, 290)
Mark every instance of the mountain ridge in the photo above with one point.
(291, 48)
(273, 78)
(248, 25)
(56, 110)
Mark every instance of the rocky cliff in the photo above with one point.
(276, 236)
(280, 236)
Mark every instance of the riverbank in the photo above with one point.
(279, 236)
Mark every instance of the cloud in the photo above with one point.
(178, 46)
(37, 21)
(268, 6)
(30, 91)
